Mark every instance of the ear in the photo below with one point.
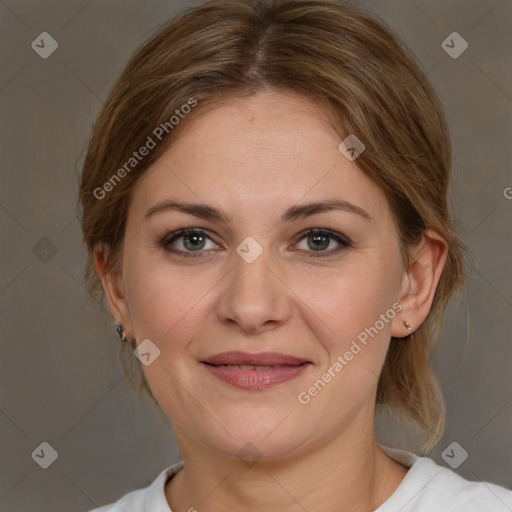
(420, 282)
(112, 283)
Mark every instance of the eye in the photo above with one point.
(187, 241)
(318, 240)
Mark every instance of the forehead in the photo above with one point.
(270, 149)
(267, 123)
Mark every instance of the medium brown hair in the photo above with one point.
(340, 58)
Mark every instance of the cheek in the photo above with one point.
(167, 306)
(346, 304)
(166, 300)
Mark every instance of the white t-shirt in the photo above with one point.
(427, 487)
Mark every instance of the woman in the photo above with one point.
(264, 202)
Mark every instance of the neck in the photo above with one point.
(349, 473)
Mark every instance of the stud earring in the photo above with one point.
(409, 328)
(122, 335)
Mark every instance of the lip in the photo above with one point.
(258, 359)
(283, 368)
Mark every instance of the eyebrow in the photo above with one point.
(293, 213)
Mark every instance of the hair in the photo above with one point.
(338, 57)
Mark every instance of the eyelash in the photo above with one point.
(343, 241)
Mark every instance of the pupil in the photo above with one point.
(195, 239)
(319, 238)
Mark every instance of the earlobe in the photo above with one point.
(420, 282)
(112, 283)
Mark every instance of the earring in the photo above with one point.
(409, 328)
(122, 335)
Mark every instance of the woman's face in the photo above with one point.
(253, 281)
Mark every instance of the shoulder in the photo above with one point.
(444, 488)
(429, 486)
(150, 498)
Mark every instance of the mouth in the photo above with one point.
(251, 366)
(255, 371)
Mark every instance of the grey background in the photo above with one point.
(61, 379)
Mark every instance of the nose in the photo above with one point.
(254, 297)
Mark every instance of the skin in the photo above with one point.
(253, 158)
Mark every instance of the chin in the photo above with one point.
(273, 432)
(258, 446)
